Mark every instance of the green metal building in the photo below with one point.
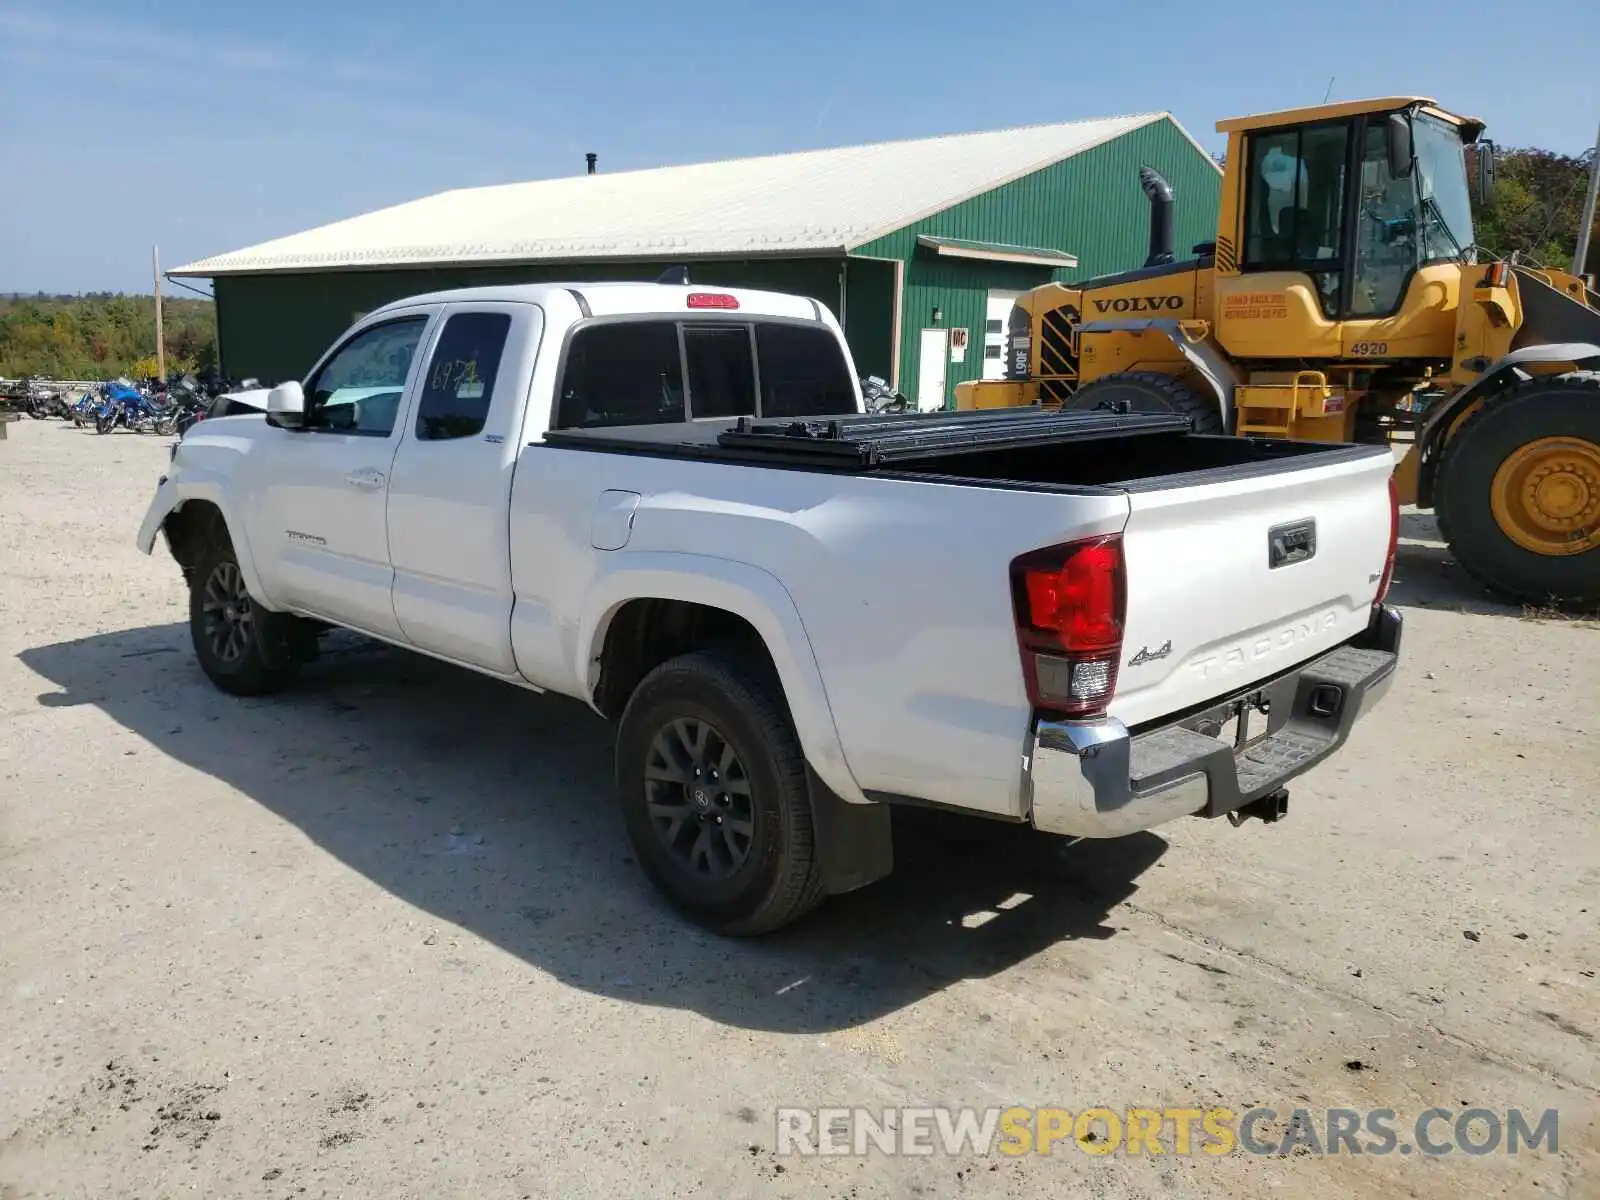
(918, 246)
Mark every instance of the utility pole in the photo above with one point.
(1580, 256)
(161, 341)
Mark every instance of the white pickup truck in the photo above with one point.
(665, 501)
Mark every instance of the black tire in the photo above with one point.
(778, 878)
(1563, 407)
(102, 424)
(243, 649)
(166, 426)
(1148, 391)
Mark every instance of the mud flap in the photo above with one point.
(854, 843)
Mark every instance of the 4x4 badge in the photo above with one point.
(1147, 655)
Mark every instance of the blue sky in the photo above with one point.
(204, 130)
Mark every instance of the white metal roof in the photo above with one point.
(808, 202)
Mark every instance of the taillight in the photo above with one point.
(1070, 602)
(1394, 543)
(712, 300)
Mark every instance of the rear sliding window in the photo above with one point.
(639, 373)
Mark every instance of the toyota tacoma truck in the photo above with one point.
(666, 502)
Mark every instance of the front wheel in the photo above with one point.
(102, 424)
(242, 647)
(713, 789)
(1518, 493)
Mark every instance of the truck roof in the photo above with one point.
(620, 298)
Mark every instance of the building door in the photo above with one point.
(994, 333)
(932, 358)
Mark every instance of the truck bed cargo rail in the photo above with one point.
(861, 443)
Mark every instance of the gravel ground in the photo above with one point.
(382, 936)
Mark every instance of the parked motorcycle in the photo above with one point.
(187, 403)
(45, 401)
(127, 407)
(882, 398)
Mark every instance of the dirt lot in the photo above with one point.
(382, 936)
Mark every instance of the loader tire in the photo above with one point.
(1518, 492)
(1150, 392)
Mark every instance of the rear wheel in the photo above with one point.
(1149, 391)
(243, 648)
(1518, 494)
(713, 789)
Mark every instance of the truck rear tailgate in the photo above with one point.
(1233, 577)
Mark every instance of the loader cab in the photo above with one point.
(1340, 226)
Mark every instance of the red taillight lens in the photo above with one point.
(1070, 602)
(1394, 543)
(712, 300)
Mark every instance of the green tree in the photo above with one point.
(1536, 206)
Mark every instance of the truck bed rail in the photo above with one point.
(863, 442)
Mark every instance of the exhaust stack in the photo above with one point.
(1159, 193)
(591, 159)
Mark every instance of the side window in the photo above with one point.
(722, 380)
(622, 373)
(803, 372)
(460, 381)
(359, 389)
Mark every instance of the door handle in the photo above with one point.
(366, 478)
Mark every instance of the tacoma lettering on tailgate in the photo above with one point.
(1236, 657)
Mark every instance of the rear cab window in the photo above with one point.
(656, 370)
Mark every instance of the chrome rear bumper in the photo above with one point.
(1094, 779)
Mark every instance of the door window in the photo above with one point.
(622, 373)
(1386, 230)
(359, 389)
(460, 381)
(722, 378)
(1294, 206)
(803, 372)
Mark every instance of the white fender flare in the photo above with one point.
(172, 495)
(748, 592)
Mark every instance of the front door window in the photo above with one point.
(1386, 230)
(359, 389)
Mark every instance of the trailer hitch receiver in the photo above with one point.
(1274, 806)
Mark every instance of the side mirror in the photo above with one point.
(1399, 130)
(286, 406)
(1483, 166)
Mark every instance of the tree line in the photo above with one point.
(103, 335)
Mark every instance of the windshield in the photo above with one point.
(1442, 186)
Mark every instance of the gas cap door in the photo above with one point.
(612, 523)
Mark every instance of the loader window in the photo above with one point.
(1294, 204)
(1386, 231)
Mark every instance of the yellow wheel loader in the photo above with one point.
(1345, 300)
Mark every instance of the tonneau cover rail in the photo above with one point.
(861, 442)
